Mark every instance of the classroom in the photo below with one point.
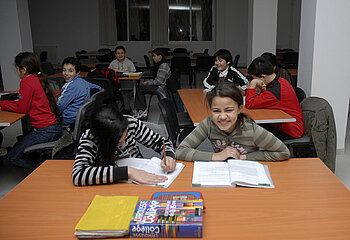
(316, 29)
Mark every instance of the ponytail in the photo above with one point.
(49, 94)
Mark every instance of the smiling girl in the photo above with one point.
(231, 133)
(74, 91)
(224, 71)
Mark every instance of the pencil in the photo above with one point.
(264, 85)
(164, 153)
(222, 148)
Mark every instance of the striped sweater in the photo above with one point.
(85, 170)
(254, 141)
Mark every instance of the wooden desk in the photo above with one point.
(84, 75)
(8, 118)
(309, 202)
(198, 109)
(293, 71)
(57, 75)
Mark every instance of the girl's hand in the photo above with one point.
(168, 164)
(144, 177)
(257, 83)
(144, 83)
(228, 152)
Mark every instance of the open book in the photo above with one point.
(153, 166)
(231, 173)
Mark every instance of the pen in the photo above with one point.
(222, 148)
(264, 85)
(164, 153)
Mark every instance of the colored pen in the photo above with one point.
(264, 85)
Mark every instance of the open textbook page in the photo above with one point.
(153, 166)
(249, 174)
(231, 173)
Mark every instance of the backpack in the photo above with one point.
(105, 73)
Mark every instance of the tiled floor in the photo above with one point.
(10, 176)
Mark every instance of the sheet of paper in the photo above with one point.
(153, 166)
(211, 174)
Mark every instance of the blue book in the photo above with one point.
(167, 219)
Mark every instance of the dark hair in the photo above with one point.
(158, 52)
(230, 90)
(73, 61)
(107, 125)
(260, 66)
(224, 54)
(270, 57)
(32, 63)
(120, 47)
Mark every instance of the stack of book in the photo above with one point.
(107, 217)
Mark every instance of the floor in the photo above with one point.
(10, 176)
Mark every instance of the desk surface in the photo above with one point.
(84, 74)
(198, 109)
(309, 202)
(8, 118)
(293, 71)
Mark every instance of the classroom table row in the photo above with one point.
(198, 109)
(308, 202)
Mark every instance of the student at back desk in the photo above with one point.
(268, 90)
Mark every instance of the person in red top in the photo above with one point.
(37, 101)
(268, 90)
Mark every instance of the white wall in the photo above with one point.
(232, 27)
(15, 38)
(329, 60)
(69, 25)
(262, 27)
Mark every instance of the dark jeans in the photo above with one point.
(140, 100)
(38, 135)
(278, 133)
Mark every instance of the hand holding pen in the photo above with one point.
(168, 163)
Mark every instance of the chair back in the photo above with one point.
(320, 127)
(56, 83)
(43, 56)
(235, 61)
(300, 94)
(173, 83)
(180, 50)
(204, 63)
(170, 118)
(83, 116)
(181, 63)
(206, 51)
(147, 62)
(77, 54)
(106, 85)
(47, 68)
(101, 97)
(84, 68)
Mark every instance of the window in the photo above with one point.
(134, 24)
(190, 20)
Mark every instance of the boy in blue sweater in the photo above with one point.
(73, 92)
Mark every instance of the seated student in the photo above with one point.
(224, 71)
(278, 94)
(113, 136)
(37, 100)
(123, 64)
(278, 68)
(162, 68)
(74, 91)
(231, 133)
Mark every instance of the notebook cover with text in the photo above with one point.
(167, 219)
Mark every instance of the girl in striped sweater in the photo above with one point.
(113, 136)
(232, 133)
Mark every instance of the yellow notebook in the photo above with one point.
(107, 216)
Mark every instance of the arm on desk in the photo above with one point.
(273, 148)
(187, 149)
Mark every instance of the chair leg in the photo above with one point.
(149, 105)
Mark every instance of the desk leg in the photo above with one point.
(134, 82)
